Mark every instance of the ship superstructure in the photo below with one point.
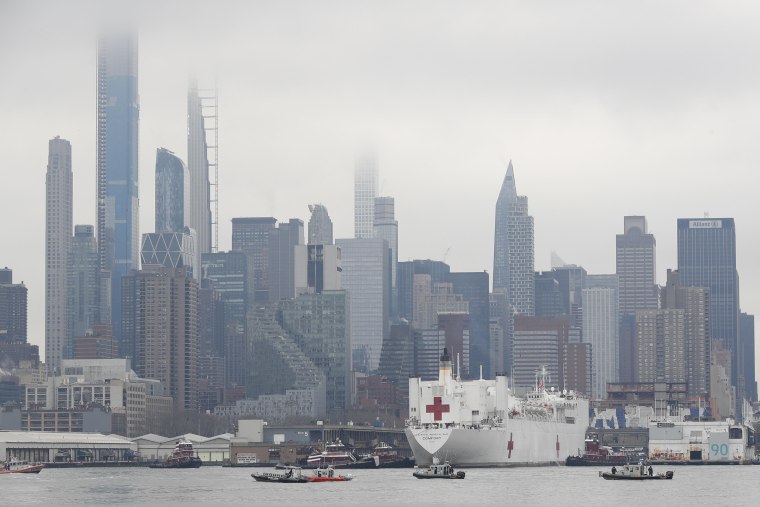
(482, 423)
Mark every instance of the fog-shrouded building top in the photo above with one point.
(198, 199)
(513, 247)
(117, 214)
(365, 191)
(171, 181)
(59, 196)
(320, 226)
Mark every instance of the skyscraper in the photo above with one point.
(635, 267)
(600, 329)
(319, 324)
(171, 249)
(473, 287)
(747, 349)
(251, 236)
(13, 309)
(695, 302)
(198, 199)
(228, 274)
(282, 243)
(365, 276)
(59, 196)
(320, 226)
(660, 346)
(386, 227)
(513, 248)
(317, 268)
(118, 109)
(707, 258)
(365, 191)
(439, 273)
(83, 280)
(171, 180)
(161, 329)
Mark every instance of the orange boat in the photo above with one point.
(328, 474)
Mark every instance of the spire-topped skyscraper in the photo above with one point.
(118, 109)
(513, 248)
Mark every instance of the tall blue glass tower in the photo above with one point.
(118, 110)
(707, 258)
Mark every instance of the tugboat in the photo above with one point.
(327, 474)
(436, 471)
(635, 473)
(597, 455)
(335, 453)
(292, 475)
(182, 456)
(15, 466)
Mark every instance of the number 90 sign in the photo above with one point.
(719, 450)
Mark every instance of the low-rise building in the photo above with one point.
(214, 449)
(46, 447)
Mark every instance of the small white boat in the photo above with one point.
(638, 472)
(438, 471)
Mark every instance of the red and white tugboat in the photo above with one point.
(334, 453)
(15, 466)
(183, 456)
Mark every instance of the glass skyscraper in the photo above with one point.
(118, 109)
(171, 180)
(83, 281)
(707, 258)
(366, 277)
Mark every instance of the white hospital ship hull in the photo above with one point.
(533, 444)
(482, 423)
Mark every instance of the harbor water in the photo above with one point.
(536, 486)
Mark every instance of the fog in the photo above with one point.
(606, 109)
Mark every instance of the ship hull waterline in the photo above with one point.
(522, 443)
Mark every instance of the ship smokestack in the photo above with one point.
(444, 371)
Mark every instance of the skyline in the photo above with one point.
(426, 138)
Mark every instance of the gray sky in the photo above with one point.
(606, 109)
